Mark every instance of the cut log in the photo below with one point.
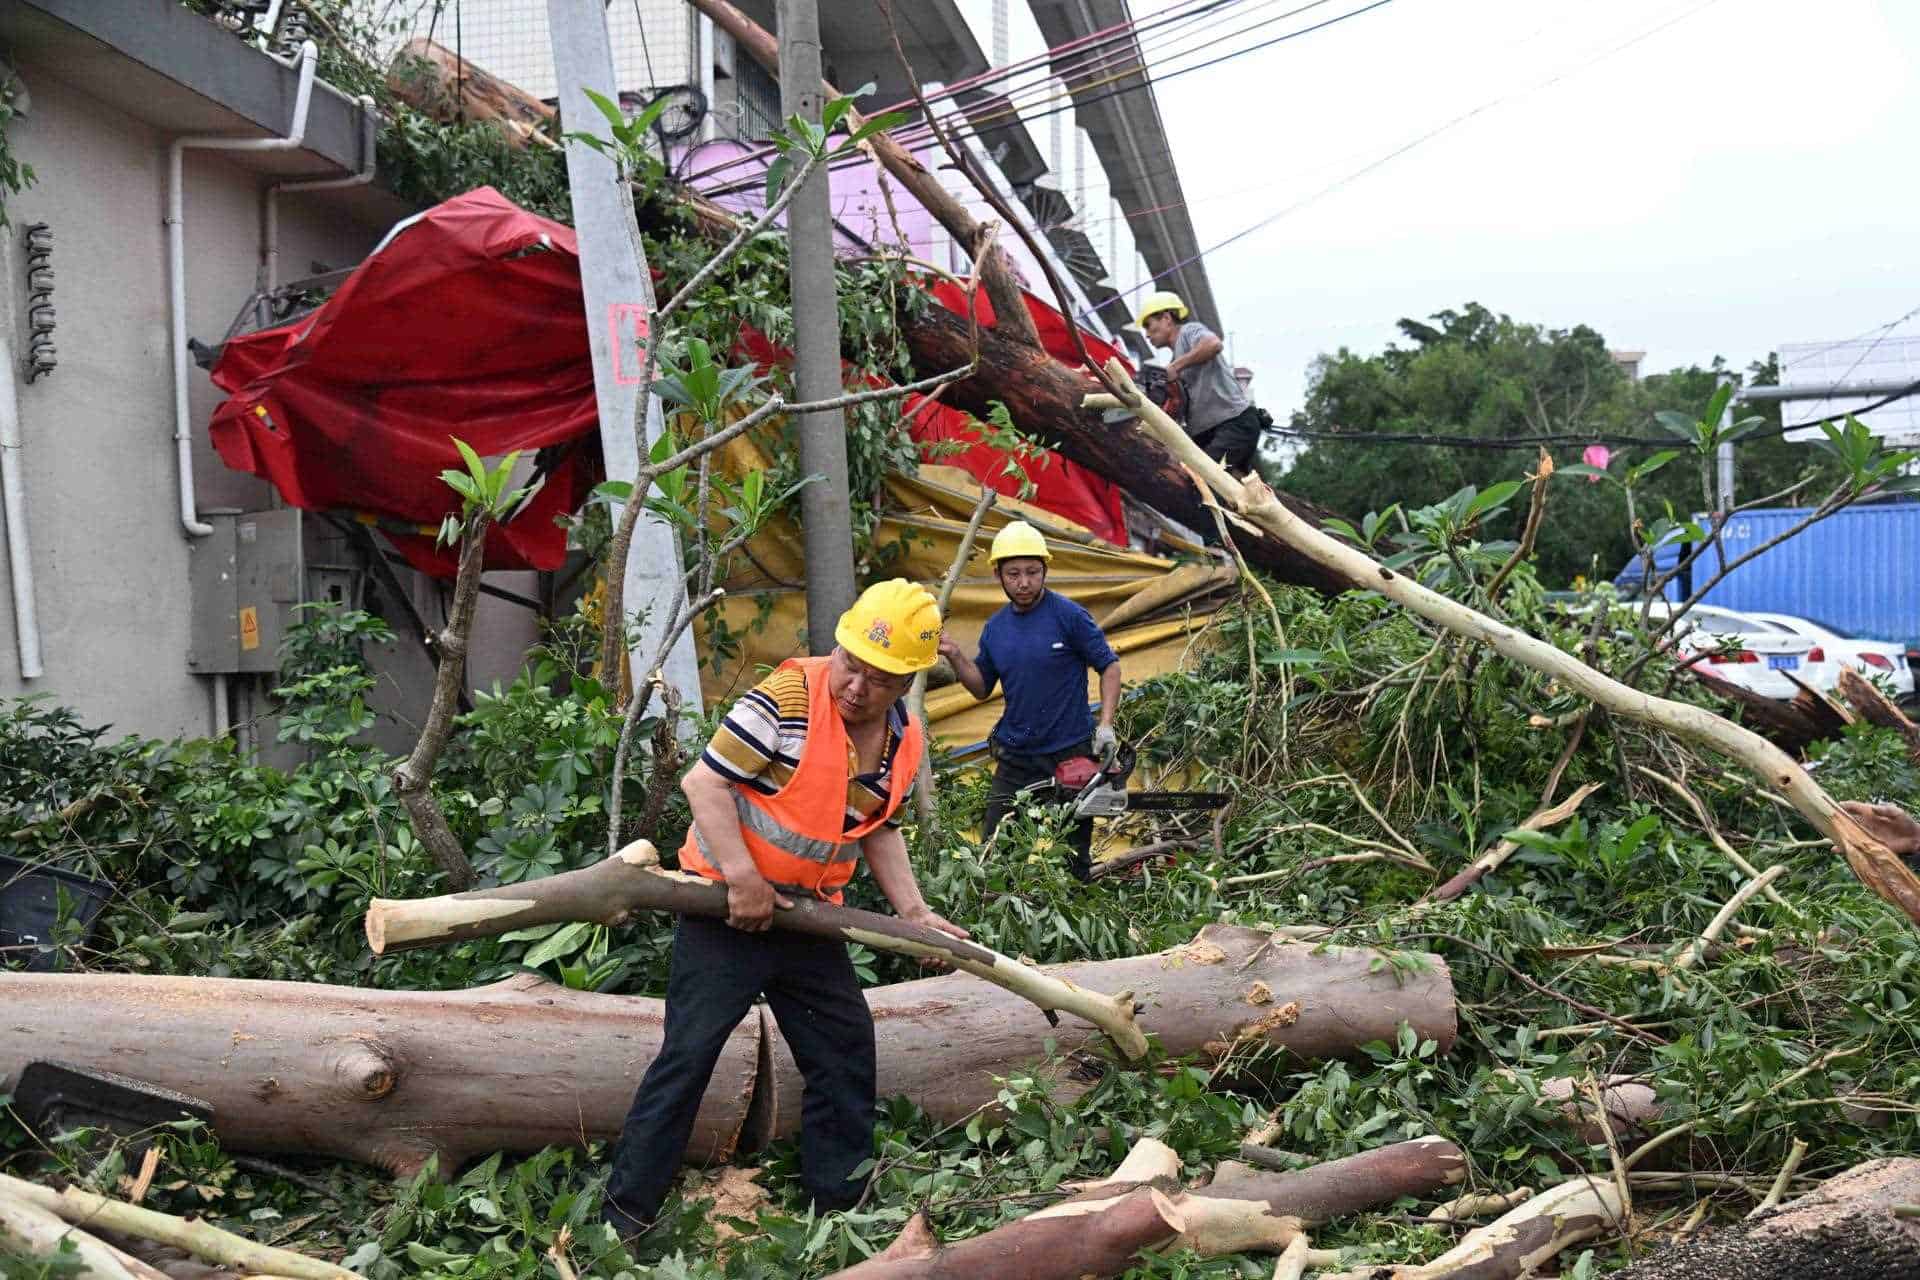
(1850, 1229)
(1045, 398)
(611, 891)
(1872, 862)
(1102, 1231)
(388, 1078)
(1877, 708)
(393, 1078)
(947, 1043)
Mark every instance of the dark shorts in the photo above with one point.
(1233, 443)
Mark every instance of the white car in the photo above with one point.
(1742, 650)
(1874, 659)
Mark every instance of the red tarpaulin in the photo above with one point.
(466, 323)
(469, 322)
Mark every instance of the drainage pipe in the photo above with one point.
(369, 156)
(13, 490)
(176, 270)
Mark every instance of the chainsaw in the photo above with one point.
(1100, 791)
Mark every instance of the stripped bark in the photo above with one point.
(202, 1239)
(1876, 866)
(1101, 1231)
(29, 1231)
(611, 891)
(1519, 1241)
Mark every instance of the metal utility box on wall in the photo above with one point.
(247, 576)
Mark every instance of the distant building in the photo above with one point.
(1629, 363)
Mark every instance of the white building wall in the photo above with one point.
(652, 41)
(110, 560)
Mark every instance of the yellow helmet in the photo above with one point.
(1154, 303)
(1018, 539)
(894, 625)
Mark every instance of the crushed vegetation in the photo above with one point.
(1356, 728)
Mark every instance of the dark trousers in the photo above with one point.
(810, 985)
(1233, 443)
(1013, 773)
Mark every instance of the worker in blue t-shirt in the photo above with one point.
(1039, 647)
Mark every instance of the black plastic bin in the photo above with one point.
(30, 906)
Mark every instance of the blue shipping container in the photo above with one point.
(1857, 572)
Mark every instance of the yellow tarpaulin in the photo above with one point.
(1151, 608)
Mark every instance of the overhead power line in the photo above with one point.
(1424, 138)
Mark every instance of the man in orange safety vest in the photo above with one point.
(805, 777)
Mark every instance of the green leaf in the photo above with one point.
(560, 944)
(877, 124)
(1493, 496)
(777, 176)
(608, 108)
(1678, 424)
(475, 467)
(615, 490)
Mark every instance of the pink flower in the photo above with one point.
(1596, 455)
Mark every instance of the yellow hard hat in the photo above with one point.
(894, 625)
(1017, 540)
(1154, 303)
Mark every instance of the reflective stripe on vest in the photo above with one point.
(756, 822)
(798, 836)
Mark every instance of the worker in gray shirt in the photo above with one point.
(1220, 418)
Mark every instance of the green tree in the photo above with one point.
(1475, 375)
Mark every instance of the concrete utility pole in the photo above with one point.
(825, 505)
(619, 295)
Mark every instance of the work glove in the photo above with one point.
(1106, 744)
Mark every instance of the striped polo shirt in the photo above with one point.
(759, 743)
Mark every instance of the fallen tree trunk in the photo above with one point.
(1850, 1229)
(1793, 724)
(1042, 394)
(1045, 398)
(1101, 1231)
(394, 1078)
(632, 880)
(387, 1078)
(948, 1043)
(1876, 866)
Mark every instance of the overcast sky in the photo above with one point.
(1737, 179)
